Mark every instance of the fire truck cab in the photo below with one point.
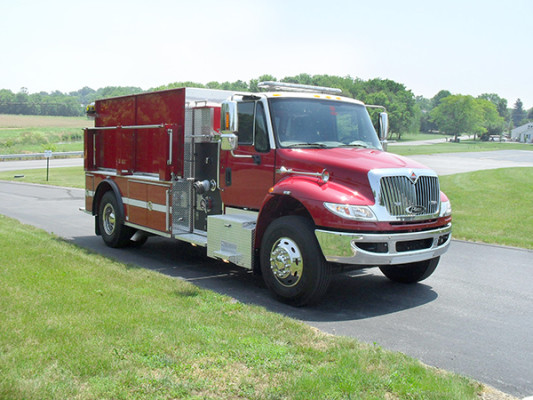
(291, 182)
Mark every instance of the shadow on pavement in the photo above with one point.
(351, 296)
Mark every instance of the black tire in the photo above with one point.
(410, 273)
(292, 264)
(111, 222)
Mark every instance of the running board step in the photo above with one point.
(194, 238)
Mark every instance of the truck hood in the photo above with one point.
(343, 161)
(347, 166)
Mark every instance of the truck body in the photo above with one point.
(291, 183)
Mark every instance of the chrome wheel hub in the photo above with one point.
(286, 262)
(109, 219)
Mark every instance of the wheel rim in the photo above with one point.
(109, 219)
(286, 262)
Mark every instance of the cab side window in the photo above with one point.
(261, 133)
(253, 126)
(246, 122)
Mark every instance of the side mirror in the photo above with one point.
(383, 126)
(228, 141)
(229, 118)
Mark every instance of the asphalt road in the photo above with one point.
(36, 164)
(454, 163)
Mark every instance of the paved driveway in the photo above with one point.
(454, 163)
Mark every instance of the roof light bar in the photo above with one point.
(296, 87)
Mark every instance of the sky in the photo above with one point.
(468, 47)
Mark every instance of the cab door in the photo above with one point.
(247, 173)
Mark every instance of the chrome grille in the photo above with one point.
(403, 198)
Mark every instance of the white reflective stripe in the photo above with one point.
(138, 203)
(145, 204)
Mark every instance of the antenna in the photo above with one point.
(296, 87)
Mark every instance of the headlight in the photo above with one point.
(359, 213)
(445, 209)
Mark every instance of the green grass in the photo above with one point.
(463, 146)
(412, 136)
(11, 121)
(76, 325)
(67, 176)
(492, 206)
(32, 134)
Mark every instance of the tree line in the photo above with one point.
(71, 104)
(447, 113)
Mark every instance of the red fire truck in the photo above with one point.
(291, 182)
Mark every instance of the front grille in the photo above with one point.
(403, 198)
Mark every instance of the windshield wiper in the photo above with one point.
(321, 145)
(356, 144)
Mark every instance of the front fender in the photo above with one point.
(310, 194)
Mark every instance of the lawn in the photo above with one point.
(77, 325)
(492, 206)
(461, 147)
(67, 176)
(411, 136)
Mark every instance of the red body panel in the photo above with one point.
(119, 152)
(141, 150)
(250, 178)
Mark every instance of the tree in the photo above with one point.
(7, 98)
(439, 96)
(457, 114)
(500, 103)
(263, 78)
(303, 79)
(399, 102)
(492, 123)
(425, 105)
(518, 114)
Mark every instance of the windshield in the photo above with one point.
(321, 123)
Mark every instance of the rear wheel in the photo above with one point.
(111, 222)
(410, 273)
(292, 264)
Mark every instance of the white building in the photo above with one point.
(523, 133)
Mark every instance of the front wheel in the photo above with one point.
(410, 273)
(292, 264)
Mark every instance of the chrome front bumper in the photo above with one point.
(383, 249)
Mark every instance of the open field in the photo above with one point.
(79, 325)
(32, 133)
(26, 121)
